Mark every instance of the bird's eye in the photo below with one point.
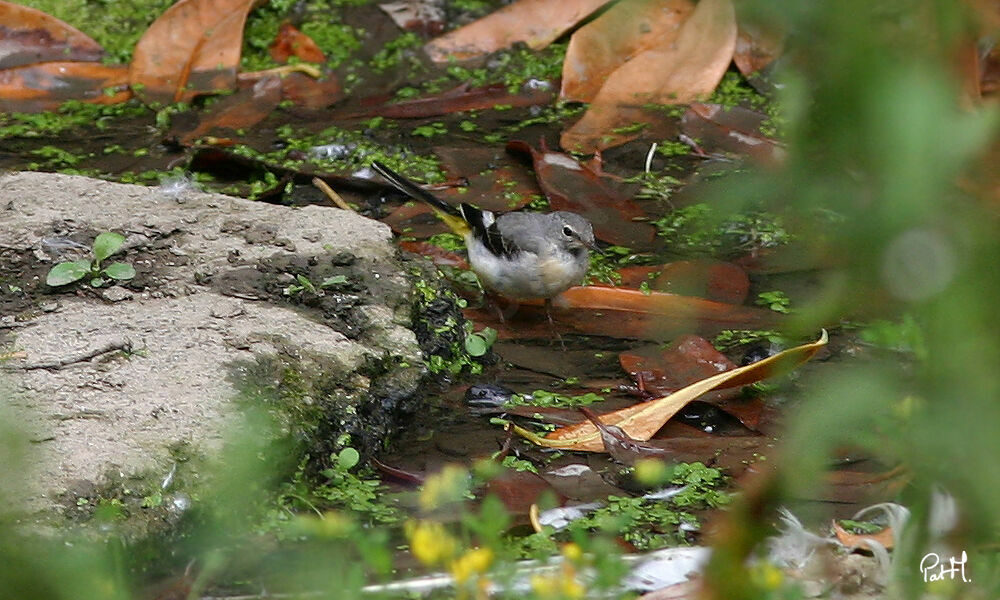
(567, 231)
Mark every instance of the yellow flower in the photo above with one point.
(572, 553)
(651, 471)
(430, 542)
(447, 485)
(473, 562)
(767, 576)
(562, 585)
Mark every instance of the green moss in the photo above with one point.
(430, 130)
(338, 41)
(734, 90)
(448, 241)
(70, 115)
(319, 21)
(699, 229)
(650, 524)
(604, 267)
(303, 148)
(471, 6)
(397, 51)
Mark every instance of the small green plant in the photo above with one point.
(776, 301)
(730, 339)
(478, 343)
(105, 245)
(547, 399)
(304, 284)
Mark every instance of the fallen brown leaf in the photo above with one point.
(755, 49)
(29, 36)
(192, 48)
(45, 86)
(616, 37)
(291, 42)
(884, 538)
(537, 23)
(642, 420)
(681, 72)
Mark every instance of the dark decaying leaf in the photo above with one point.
(709, 279)
(45, 86)
(227, 165)
(494, 179)
(192, 48)
(438, 255)
(683, 71)
(29, 36)
(688, 359)
(537, 23)
(570, 185)
(518, 490)
(734, 130)
(458, 99)
(291, 42)
(242, 110)
(395, 474)
(415, 219)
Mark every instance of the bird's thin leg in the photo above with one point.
(552, 324)
(503, 312)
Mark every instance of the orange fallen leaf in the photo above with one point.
(658, 303)
(192, 48)
(45, 86)
(627, 314)
(616, 37)
(537, 23)
(642, 420)
(29, 36)
(292, 42)
(884, 538)
(678, 73)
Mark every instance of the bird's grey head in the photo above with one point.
(575, 232)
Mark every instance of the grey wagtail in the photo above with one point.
(520, 255)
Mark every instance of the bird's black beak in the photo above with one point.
(594, 247)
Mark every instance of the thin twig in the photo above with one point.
(112, 346)
(331, 194)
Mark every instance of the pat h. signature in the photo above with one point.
(933, 568)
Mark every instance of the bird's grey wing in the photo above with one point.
(522, 231)
(484, 228)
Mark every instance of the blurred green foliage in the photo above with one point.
(879, 133)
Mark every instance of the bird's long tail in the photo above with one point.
(451, 215)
